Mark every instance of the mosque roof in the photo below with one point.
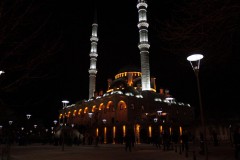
(129, 68)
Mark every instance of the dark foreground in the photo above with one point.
(112, 152)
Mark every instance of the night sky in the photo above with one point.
(45, 46)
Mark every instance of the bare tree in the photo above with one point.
(212, 27)
(28, 44)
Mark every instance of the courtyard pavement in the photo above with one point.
(113, 152)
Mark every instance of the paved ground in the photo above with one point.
(112, 152)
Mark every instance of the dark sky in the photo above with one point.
(45, 45)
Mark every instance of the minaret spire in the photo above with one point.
(143, 43)
(93, 57)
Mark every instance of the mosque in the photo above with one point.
(131, 102)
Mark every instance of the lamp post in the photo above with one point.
(8, 142)
(195, 63)
(90, 114)
(28, 116)
(159, 112)
(28, 130)
(10, 136)
(1, 134)
(1, 72)
(54, 128)
(65, 102)
(55, 122)
(104, 131)
(10, 122)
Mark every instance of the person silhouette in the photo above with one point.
(128, 142)
(236, 140)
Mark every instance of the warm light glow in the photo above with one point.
(101, 106)
(180, 130)
(93, 108)
(68, 115)
(97, 132)
(85, 110)
(161, 129)
(137, 131)
(150, 131)
(114, 134)
(124, 74)
(164, 114)
(195, 57)
(79, 111)
(74, 112)
(170, 130)
(124, 130)
(105, 135)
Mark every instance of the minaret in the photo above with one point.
(143, 44)
(93, 58)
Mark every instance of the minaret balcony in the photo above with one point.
(93, 54)
(94, 39)
(143, 24)
(142, 4)
(92, 71)
(143, 45)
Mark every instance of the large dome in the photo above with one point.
(129, 68)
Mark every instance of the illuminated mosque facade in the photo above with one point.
(131, 102)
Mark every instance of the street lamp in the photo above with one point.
(159, 112)
(195, 63)
(28, 125)
(155, 120)
(1, 72)
(10, 132)
(55, 122)
(28, 116)
(104, 131)
(10, 122)
(65, 102)
(104, 121)
(90, 114)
